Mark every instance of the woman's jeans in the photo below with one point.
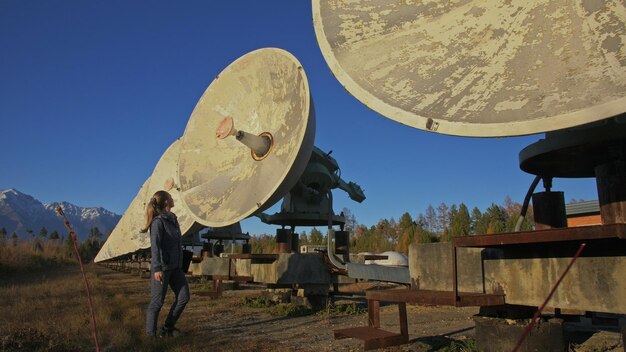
(177, 281)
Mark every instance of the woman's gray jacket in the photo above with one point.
(167, 252)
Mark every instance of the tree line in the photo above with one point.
(439, 224)
(88, 248)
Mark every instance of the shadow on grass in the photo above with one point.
(445, 343)
(43, 269)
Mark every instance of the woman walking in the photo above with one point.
(167, 263)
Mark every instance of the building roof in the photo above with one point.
(584, 207)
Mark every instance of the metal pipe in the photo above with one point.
(531, 189)
(260, 145)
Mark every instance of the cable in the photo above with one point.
(522, 214)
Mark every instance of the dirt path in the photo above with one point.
(225, 324)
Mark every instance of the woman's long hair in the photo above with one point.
(156, 206)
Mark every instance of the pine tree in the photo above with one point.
(477, 227)
(3, 236)
(464, 221)
(496, 219)
(69, 247)
(316, 237)
(94, 237)
(460, 222)
(14, 238)
(54, 235)
(43, 232)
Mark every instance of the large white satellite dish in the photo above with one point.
(265, 92)
(126, 237)
(479, 68)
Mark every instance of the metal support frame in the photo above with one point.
(374, 337)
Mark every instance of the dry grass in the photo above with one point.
(31, 254)
(44, 308)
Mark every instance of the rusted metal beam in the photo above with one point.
(373, 313)
(583, 233)
(443, 298)
(404, 326)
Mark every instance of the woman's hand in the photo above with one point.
(158, 276)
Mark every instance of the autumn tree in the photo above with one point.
(351, 222)
(303, 238)
(442, 217)
(361, 240)
(422, 235)
(406, 232)
(384, 235)
(430, 219)
(513, 211)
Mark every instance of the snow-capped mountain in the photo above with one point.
(20, 212)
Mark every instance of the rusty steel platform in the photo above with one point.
(583, 233)
(375, 337)
(440, 298)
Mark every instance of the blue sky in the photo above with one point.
(93, 92)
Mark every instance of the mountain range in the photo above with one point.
(21, 212)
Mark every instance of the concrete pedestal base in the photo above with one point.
(498, 334)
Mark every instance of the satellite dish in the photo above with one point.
(127, 237)
(477, 68)
(265, 94)
(165, 177)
